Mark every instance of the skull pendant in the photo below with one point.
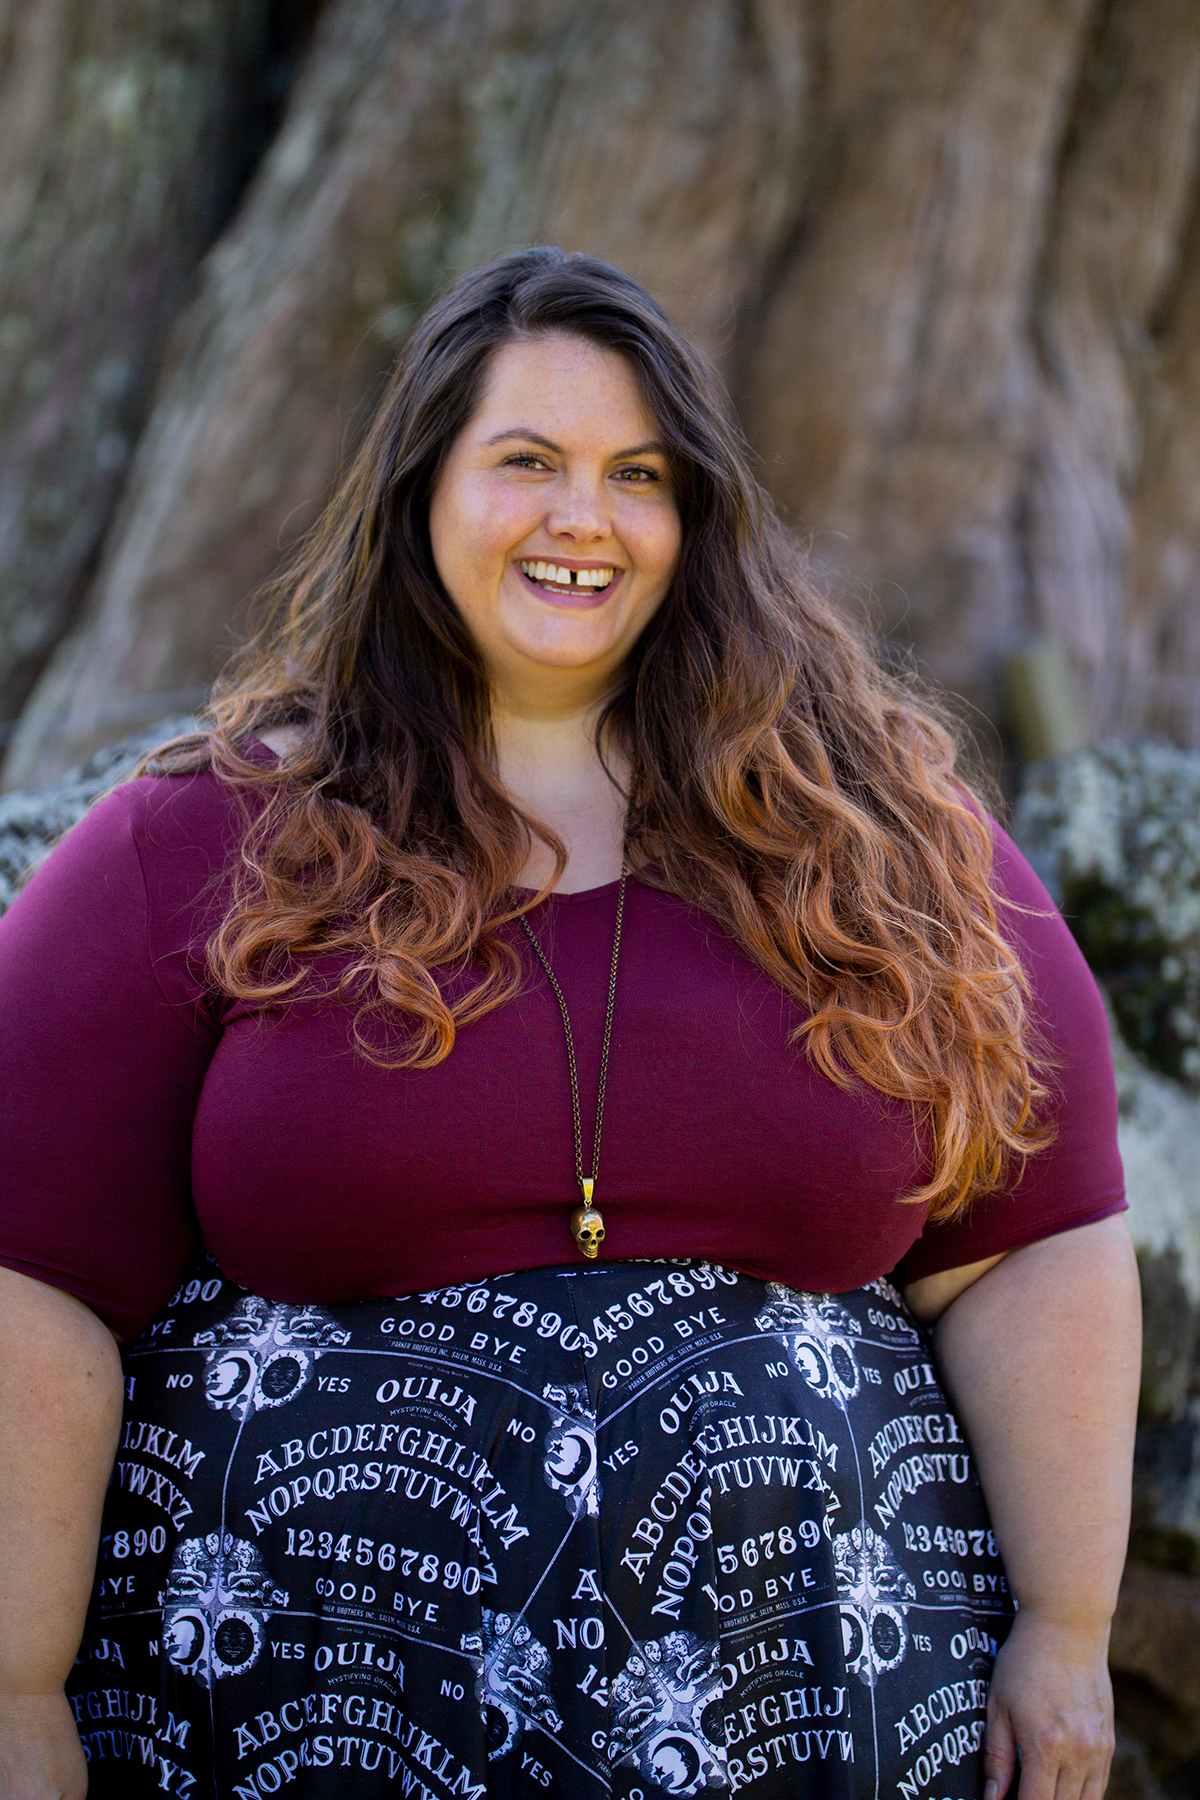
(587, 1228)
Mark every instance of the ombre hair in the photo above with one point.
(782, 780)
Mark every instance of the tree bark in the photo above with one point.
(1106, 409)
(422, 137)
(1161, 690)
(890, 396)
(124, 126)
(946, 251)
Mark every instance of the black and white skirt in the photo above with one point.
(636, 1529)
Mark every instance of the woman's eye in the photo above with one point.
(526, 460)
(637, 475)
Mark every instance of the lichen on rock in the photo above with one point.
(31, 824)
(1114, 832)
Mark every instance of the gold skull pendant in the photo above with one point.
(587, 1228)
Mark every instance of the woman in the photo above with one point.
(562, 889)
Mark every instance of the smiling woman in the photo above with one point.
(524, 522)
(556, 842)
(554, 504)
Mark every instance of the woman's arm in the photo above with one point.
(1041, 1355)
(60, 1412)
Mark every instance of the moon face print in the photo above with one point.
(510, 1682)
(820, 1335)
(875, 1594)
(570, 1448)
(675, 1763)
(659, 1702)
(216, 1605)
(262, 1354)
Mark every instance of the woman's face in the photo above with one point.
(554, 527)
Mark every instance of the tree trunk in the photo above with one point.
(124, 128)
(946, 251)
(890, 389)
(1162, 650)
(421, 138)
(1107, 404)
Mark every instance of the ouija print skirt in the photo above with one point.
(636, 1529)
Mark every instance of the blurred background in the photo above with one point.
(947, 256)
(946, 253)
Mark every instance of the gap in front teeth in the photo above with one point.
(564, 577)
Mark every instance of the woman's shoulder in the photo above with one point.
(1066, 1006)
(1026, 912)
(158, 843)
(168, 814)
(1025, 908)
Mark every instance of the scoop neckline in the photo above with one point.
(578, 897)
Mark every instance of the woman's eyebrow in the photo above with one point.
(529, 437)
(651, 448)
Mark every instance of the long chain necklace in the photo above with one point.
(587, 1223)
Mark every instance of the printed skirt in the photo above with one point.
(636, 1529)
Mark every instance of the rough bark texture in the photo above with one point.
(891, 393)
(1162, 649)
(124, 126)
(1156, 1653)
(422, 137)
(1110, 307)
(947, 252)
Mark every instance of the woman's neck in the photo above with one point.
(549, 765)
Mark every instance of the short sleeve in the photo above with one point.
(101, 1066)
(1077, 1179)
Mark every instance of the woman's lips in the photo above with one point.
(583, 599)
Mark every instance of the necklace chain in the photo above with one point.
(586, 1185)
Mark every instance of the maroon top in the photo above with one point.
(136, 1104)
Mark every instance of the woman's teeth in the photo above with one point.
(560, 576)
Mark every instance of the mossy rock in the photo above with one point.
(1114, 832)
(31, 824)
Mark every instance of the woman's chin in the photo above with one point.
(570, 644)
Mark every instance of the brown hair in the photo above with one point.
(782, 780)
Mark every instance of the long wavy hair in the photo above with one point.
(782, 779)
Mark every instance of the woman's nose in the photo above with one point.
(579, 513)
